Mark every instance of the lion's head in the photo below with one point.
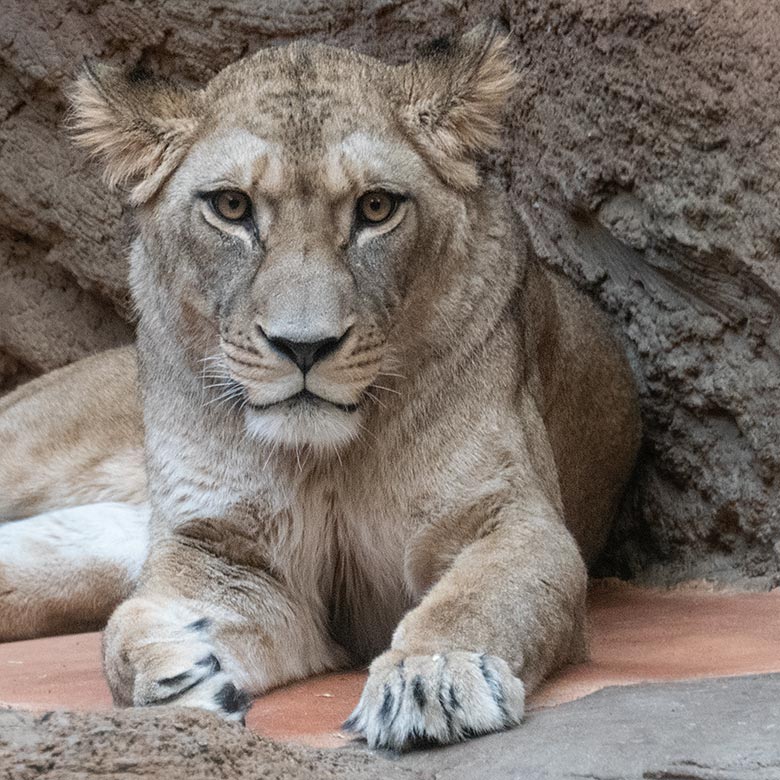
(304, 216)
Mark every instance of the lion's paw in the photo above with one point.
(200, 683)
(166, 665)
(439, 699)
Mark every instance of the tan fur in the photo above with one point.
(81, 427)
(477, 428)
(454, 102)
(139, 146)
(69, 438)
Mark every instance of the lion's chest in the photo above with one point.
(344, 554)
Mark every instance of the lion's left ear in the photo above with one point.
(140, 127)
(454, 97)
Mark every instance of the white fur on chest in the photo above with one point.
(341, 551)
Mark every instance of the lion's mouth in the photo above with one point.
(305, 397)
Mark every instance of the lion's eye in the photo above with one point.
(231, 205)
(376, 207)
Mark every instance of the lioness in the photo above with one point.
(373, 424)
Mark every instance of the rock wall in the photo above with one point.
(643, 154)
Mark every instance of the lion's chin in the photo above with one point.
(304, 422)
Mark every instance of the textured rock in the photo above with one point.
(643, 154)
(174, 745)
(721, 729)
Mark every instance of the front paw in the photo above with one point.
(155, 655)
(201, 683)
(436, 699)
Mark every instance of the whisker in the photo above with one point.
(337, 453)
(216, 402)
(344, 429)
(224, 397)
(389, 389)
(270, 454)
(366, 430)
(445, 320)
(213, 368)
(375, 398)
(250, 363)
(239, 402)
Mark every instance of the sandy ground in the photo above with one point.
(182, 744)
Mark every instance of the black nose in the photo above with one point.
(305, 353)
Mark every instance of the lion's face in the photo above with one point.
(296, 228)
(301, 235)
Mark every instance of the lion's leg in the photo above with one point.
(204, 631)
(510, 608)
(66, 570)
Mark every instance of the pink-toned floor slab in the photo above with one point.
(637, 635)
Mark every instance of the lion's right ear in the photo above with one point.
(453, 99)
(139, 126)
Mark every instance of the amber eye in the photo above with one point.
(376, 207)
(231, 205)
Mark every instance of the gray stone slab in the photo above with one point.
(717, 729)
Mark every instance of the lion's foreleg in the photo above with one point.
(205, 632)
(508, 610)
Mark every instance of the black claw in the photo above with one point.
(350, 724)
(201, 624)
(212, 662)
(418, 691)
(387, 704)
(447, 711)
(454, 701)
(443, 703)
(231, 700)
(401, 695)
(492, 683)
(176, 694)
(496, 689)
(177, 679)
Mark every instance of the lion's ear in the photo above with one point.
(454, 97)
(140, 127)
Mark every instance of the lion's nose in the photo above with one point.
(305, 353)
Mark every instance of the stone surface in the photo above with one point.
(725, 729)
(643, 154)
(722, 729)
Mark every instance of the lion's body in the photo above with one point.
(477, 408)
